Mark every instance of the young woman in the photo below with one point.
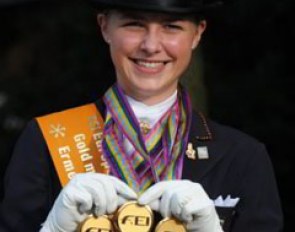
(156, 149)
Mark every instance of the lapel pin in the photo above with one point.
(190, 152)
(203, 152)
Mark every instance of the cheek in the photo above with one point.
(179, 48)
(125, 43)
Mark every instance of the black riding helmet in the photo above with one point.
(165, 6)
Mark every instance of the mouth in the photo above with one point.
(153, 65)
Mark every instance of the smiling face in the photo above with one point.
(149, 51)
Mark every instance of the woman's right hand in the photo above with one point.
(87, 193)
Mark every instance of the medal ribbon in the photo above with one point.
(158, 155)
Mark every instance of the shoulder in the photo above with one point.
(209, 131)
(239, 147)
(75, 111)
(226, 141)
(231, 135)
(32, 136)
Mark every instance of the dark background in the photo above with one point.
(52, 58)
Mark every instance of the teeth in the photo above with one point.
(149, 64)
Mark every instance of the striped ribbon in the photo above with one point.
(158, 155)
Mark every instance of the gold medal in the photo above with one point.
(132, 217)
(97, 224)
(170, 225)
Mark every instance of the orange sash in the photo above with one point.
(74, 139)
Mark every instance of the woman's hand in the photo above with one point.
(87, 193)
(184, 200)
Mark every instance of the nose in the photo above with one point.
(151, 42)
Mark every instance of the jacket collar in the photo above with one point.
(200, 128)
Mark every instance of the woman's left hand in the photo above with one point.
(184, 200)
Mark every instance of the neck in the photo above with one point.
(168, 101)
(149, 98)
(151, 113)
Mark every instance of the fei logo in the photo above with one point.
(136, 220)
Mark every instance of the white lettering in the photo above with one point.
(68, 165)
(82, 147)
(86, 157)
(65, 156)
(89, 167)
(98, 140)
(104, 164)
(79, 137)
(97, 136)
(64, 150)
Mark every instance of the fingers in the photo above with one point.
(87, 197)
(164, 197)
(75, 196)
(182, 199)
(155, 205)
(123, 189)
(98, 198)
(207, 220)
(165, 203)
(176, 206)
(153, 193)
(111, 195)
(121, 200)
(97, 193)
(200, 200)
(115, 191)
(197, 208)
(179, 200)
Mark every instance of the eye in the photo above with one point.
(134, 24)
(173, 26)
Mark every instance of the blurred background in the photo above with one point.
(52, 57)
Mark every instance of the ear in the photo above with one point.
(201, 27)
(102, 21)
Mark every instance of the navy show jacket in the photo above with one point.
(238, 165)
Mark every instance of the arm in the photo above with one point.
(28, 188)
(30, 191)
(259, 208)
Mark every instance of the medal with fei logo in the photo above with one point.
(132, 217)
(97, 224)
(170, 225)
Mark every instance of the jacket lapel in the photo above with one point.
(201, 135)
